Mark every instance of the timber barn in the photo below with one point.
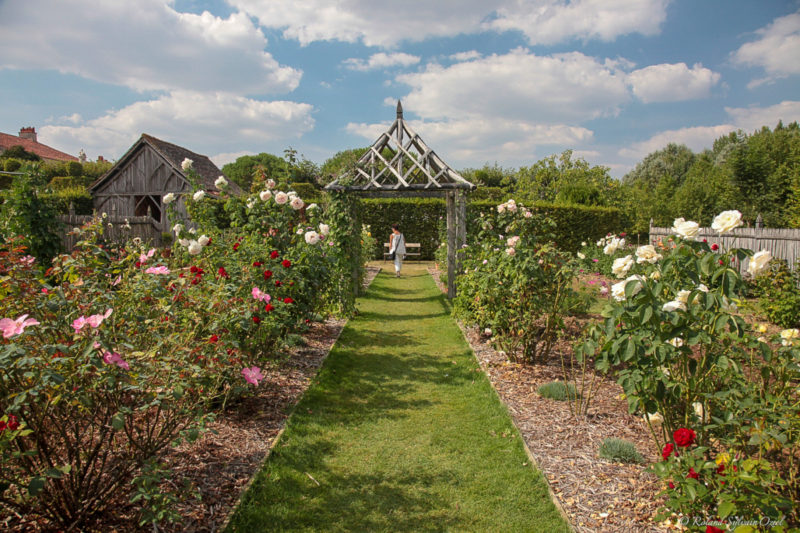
(150, 169)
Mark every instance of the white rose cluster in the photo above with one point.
(168, 198)
(312, 237)
(221, 182)
(647, 254)
(510, 206)
(612, 245)
(621, 266)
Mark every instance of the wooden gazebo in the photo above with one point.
(400, 164)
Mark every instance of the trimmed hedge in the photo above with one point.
(69, 182)
(79, 197)
(307, 191)
(421, 218)
(489, 194)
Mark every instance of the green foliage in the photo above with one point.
(12, 165)
(778, 291)
(489, 194)
(676, 345)
(94, 169)
(340, 163)
(516, 283)
(74, 169)
(6, 181)
(256, 168)
(562, 180)
(343, 217)
(68, 182)
(18, 152)
(493, 176)
(61, 199)
(418, 219)
(26, 213)
(619, 450)
(307, 191)
(300, 170)
(557, 390)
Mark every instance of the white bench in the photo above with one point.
(412, 250)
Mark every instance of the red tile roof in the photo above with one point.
(42, 150)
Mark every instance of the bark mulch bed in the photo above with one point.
(596, 494)
(221, 463)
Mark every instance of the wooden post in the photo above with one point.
(400, 137)
(355, 212)
(451, 245)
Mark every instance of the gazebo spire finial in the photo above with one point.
(399, 109)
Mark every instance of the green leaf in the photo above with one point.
(35, 486)
(725, 508)
(118, 421)
(54, 473)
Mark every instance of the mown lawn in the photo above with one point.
(401, 431)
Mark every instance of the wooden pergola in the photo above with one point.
(400, 164)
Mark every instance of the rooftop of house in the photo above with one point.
(27, 140)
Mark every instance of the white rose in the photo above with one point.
(291, 194)
(184, 242)
(511, 251)
(251, 203)
(759, 262)
(299, 231)
(583, 243)
(297, 203)
(613, 245)
(674, 305)
(203, 240)
(654, 418)
(311, 207)
(312, 237)
(698, 409)
(647, 254)
(281, 198)
(685, 228)
(581, 256)
(194, 247)
(683, 296)
(655, 274)
(177, 228)
(512, 241)
(186, 164)
(622, 265)
(501, 208)
(168, 198)
(192, 231)
(702, 287)
(270, 184)
(726, 221)
(618, 289)
(265, 195)
(221, 182)
(324, 228)
(788, 336)
(198, 195)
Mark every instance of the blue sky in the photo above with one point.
(506, 81)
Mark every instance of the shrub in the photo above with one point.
(12, 165)
(68, 182)
(60, 200)
(557, 390)
(307, 191)
(28, 214)
(488, 194)
(778, 290)
(619, 450)
(74, 169)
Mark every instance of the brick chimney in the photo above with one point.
(28, 133)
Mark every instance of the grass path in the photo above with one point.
(401, 431)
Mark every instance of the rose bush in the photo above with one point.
(516, 283)
(706, 383)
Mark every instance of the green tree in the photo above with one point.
(561, 179)
(300, 170)
(489, 175)
(674, 161)
(706, 191)
(340, 163)
(263, 166)
(18, 152)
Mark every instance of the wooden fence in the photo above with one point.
(115, 229)
(781, 243)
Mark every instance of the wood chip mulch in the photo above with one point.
(595, 494)
(222, 462)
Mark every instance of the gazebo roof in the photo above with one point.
(400, 161)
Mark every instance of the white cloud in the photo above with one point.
(777, 50)
(672, 82)
(557, 89)
(381, 60)
(229, 157)
(477, 140)
(144, 45)
(466, 56)
(550, 22)
(209, 123)
(387, 24)
(750, 119)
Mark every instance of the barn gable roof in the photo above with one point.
(205, 169)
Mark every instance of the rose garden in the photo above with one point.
(117, 353)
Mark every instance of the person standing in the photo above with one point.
(397, 247)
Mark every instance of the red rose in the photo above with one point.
(291, 283)
(721, 469)
(671, 485)
(721, 262)
(277, 283)
(193, 270)
(138, 264)
(668, 450)
(715, 247)
(274, 254)
(2, 426)
(13, 423)
(692, 474)
(288, 301)
(622, 234)
(213, 338)
(222, 272)
(267, 274)
(236, 246)
(683, 437)
(712, 529)
(195, 281)
(286, 263)
(256, 319)
(268, 308)
(257, 264)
